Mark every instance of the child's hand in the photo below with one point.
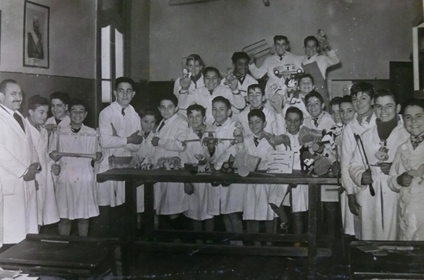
(353, 204)
(232, 82)
(385, 167)
(32, 170)
(56, 169)
(188, 188)
(135, 138)
(366, 177)
(99, 156)
(55, 156)
(185, 82)
(404, 180)
(155, 141)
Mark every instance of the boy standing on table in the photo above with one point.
(197, 199)
(377, 214)
(407, 174)
(119, 126)
(75, 185)
(172, 131)
(38, 108)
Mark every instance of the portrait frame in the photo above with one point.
(36, 35)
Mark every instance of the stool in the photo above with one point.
(70, 257)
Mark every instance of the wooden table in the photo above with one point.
(134, 178)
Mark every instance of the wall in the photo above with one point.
(366, 33)
(140, 27)
(72, 49)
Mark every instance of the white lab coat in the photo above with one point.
(198, 207)
(65, 121)
(350, 222)
(76, 193)
(275, 123)
(112, 193)
(19, 198)
(170, 198)
(46, 199)
(224, 200)
(378, 213)
(203, 97)
(182, 97)
(272, 62)
(410, 206)
(323, 60)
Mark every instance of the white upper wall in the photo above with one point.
(72, 38)
(366, 33)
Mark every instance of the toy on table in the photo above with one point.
(169, 163)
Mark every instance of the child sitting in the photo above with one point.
(407, 174)
(192, 154)
(38, 108)
(75, 186)
(172, 131)
(204, 95)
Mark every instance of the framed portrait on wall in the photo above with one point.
(36, 35)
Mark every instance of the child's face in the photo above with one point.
(293, 122)
(256, 125)
(385, 108)
(314, 106)
(124, 94)
(256, 98)
(335, 113)
(59, 108)
(167, 109)
(241, 67)
(413, 118)
(362, 103)
(211, 80)
(306, 85)
(39, 114)
(77, 114)
(195, 119)
(281, 46)
(347, 112)
(311, 48)
(194, 67)
(148, 123)
(220, 112)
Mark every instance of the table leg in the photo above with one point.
(149, 211)
(312, 228)
(128, 254)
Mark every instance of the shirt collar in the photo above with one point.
(223, 124)
(11, 112)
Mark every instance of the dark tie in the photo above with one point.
(211, 91)
(161, 125)
(123, 111)
(416, 140)
(75, 130)
(316, 122)
(256, 141)
(19, 120)
(281, 57)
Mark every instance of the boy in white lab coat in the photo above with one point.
(204, 95)
(76, 194)
(38, 108)
(407, 174)
(241, 72)
(172, 131)
(197, 192)
(377, 214)
(59, 106)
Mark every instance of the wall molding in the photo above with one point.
(47, 75)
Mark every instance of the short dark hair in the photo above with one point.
(310, 38)
(75, 102)
(362, 87)
(346, 99)
(196, 107)
(62, 96)
(316, 94)
(336, 100)
(386, 92)
(169, 96)
(413, 102)
(281, 37)
(306, 75)
(256, 113)
(294, 110)
(223, 100)
(36, 101)
(195, 57)
(254, 86)
(239, 55)
(4, 84)
(147, 112)
(124, 80)
(211, 69)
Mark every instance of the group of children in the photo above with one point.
(379, 151)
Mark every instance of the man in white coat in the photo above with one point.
(18, 167)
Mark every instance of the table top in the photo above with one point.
(152, 176)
